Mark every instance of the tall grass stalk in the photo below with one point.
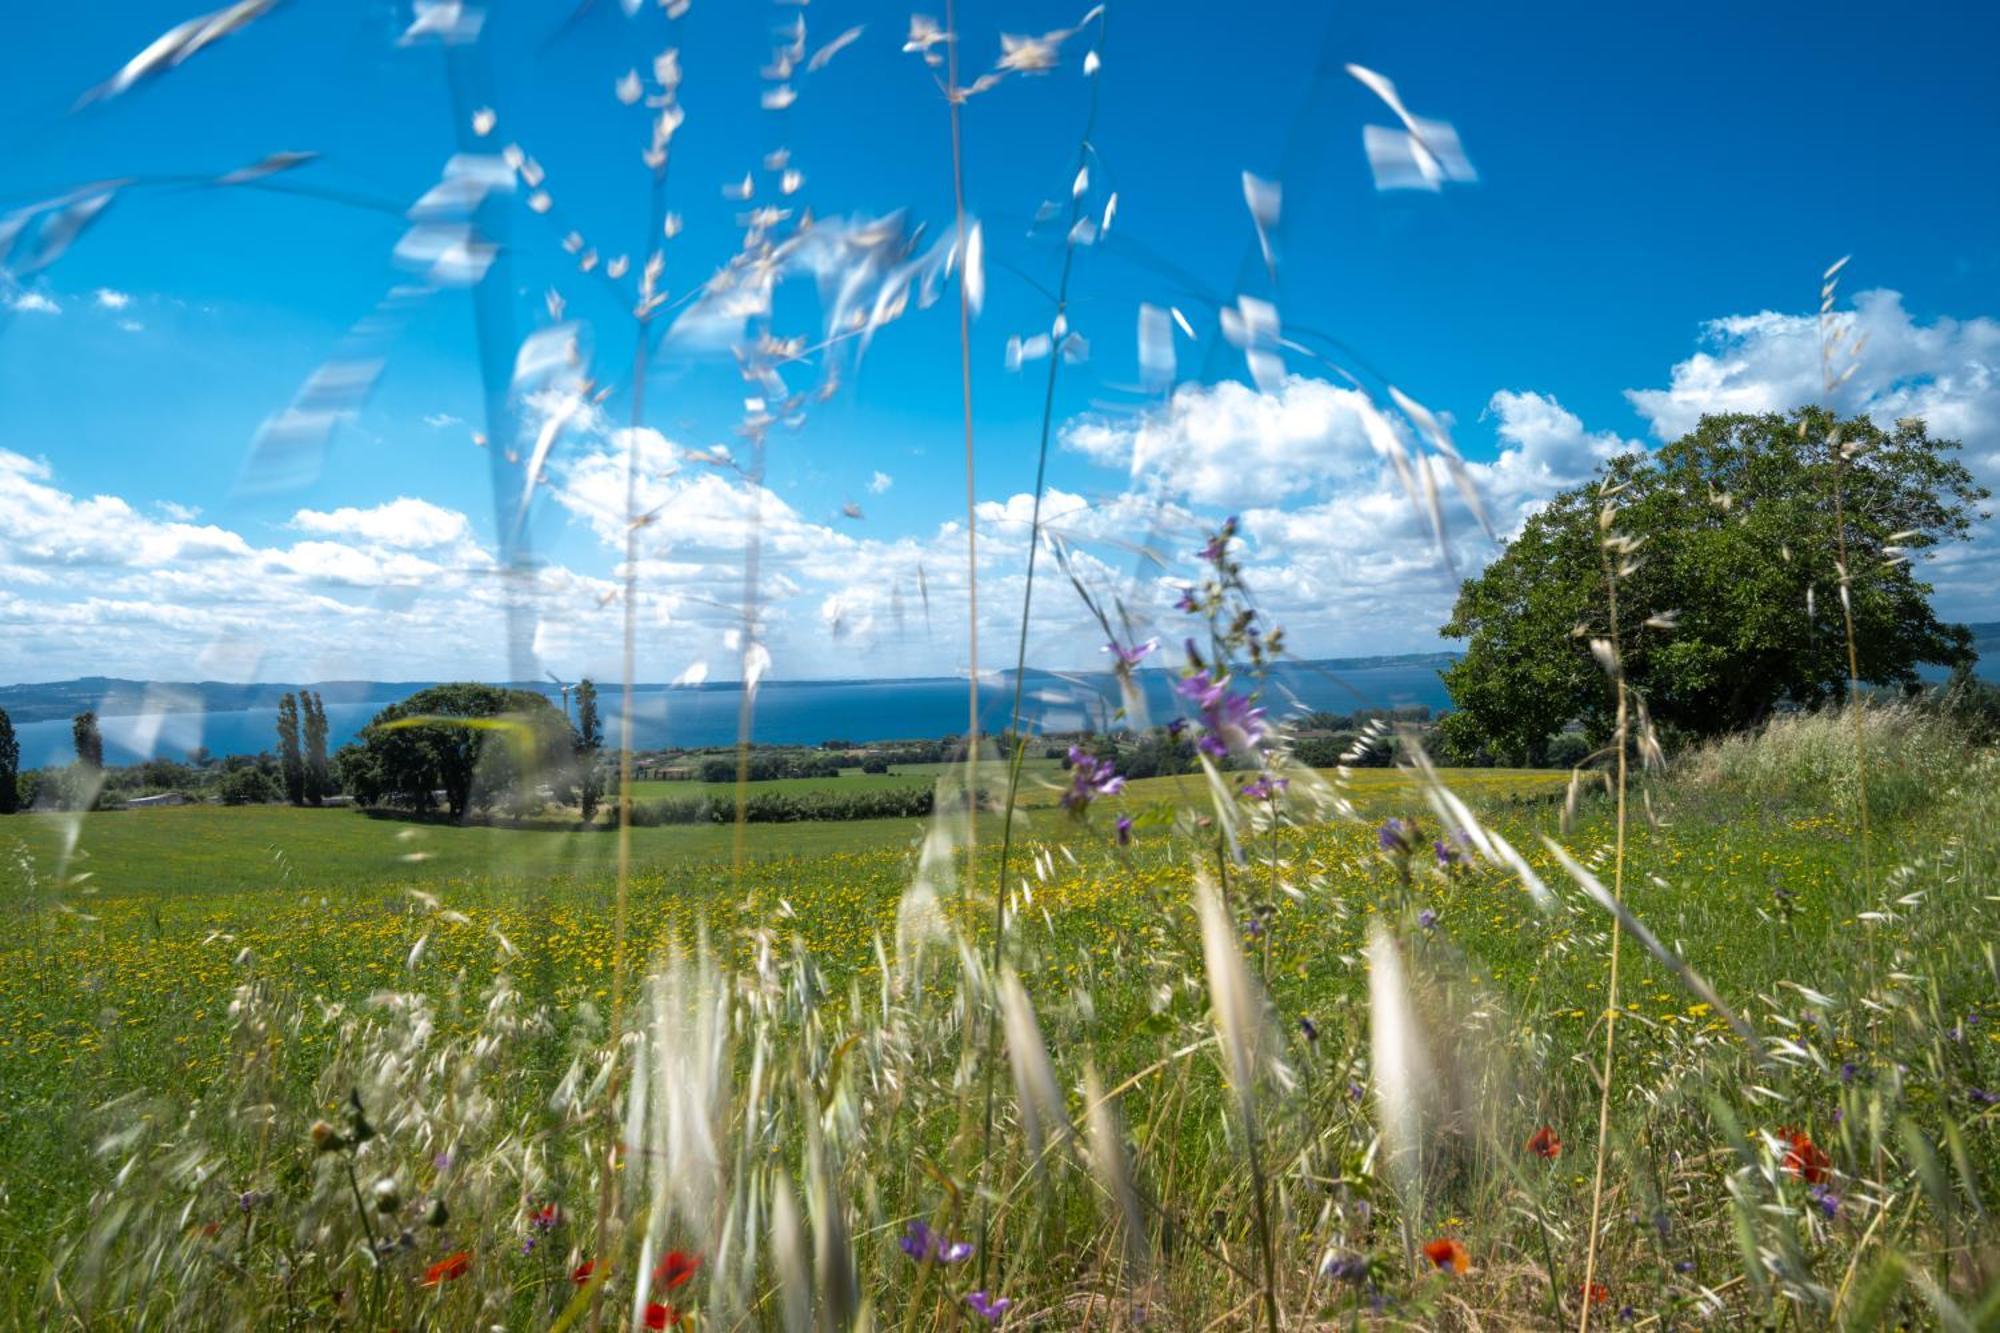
(1021, 645)
(955, 102)
(607, 1202)
(1239, 1023)
(1615, 664)
(1829, 339)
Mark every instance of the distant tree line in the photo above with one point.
(463, 747)
(772, 807)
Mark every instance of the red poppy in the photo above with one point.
(1804, 1158)
(581, 1273)
(1597, 1293)
(548, 1215)
(1448, 1254)
(447, 1269)
(1544, 1143)
(676, 1270)
(661, 1316)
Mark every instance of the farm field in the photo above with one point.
(120, 984)
(120, 988)
(899, 777)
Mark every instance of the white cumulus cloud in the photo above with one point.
(403, 523)
(1229, 444)
(1946, 371)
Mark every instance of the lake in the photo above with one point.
(787, 712)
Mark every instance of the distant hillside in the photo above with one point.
(115, 697)
(111, 696)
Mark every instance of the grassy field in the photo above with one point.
(131, 1006)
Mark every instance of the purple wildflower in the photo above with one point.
(990, 1308)
(1396, 835)
(1264, 788)
(1684, 1266)
(921, 1243)
(1307, 1026)
(1344, 1268)
(1090, 778)
(1254, 927)
(917, 1240)
(1187, 601)
(1131, 657)
(1448, 852)
(1124, 827)
(1217, 549)
(1427, 918)
(1981, 1097)
(1828, 1201)
(1229, 721)
(1848, 1070)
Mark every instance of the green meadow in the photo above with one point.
(127, 1054)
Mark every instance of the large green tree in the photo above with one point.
(10, 766)
(476, 744)
(1738, 540)
(291, 759)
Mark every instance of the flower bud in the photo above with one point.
(387, 1197)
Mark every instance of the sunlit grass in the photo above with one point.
(126, 991)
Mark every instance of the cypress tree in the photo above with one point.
(89, 741)
(289, 761)
(589, 741)
(10, 766)
(319, 774)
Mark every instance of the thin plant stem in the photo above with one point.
(367, 1229)
(752, 565)
(641, 350)
(1263, 1217)
(1021, 659)
(1611, 981)
(1854, 705)
(954, 99)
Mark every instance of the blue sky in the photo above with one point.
(1641, 176)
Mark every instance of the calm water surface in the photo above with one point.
(788, 712)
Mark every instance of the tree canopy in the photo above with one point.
(1731, 604)
(477, 744)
